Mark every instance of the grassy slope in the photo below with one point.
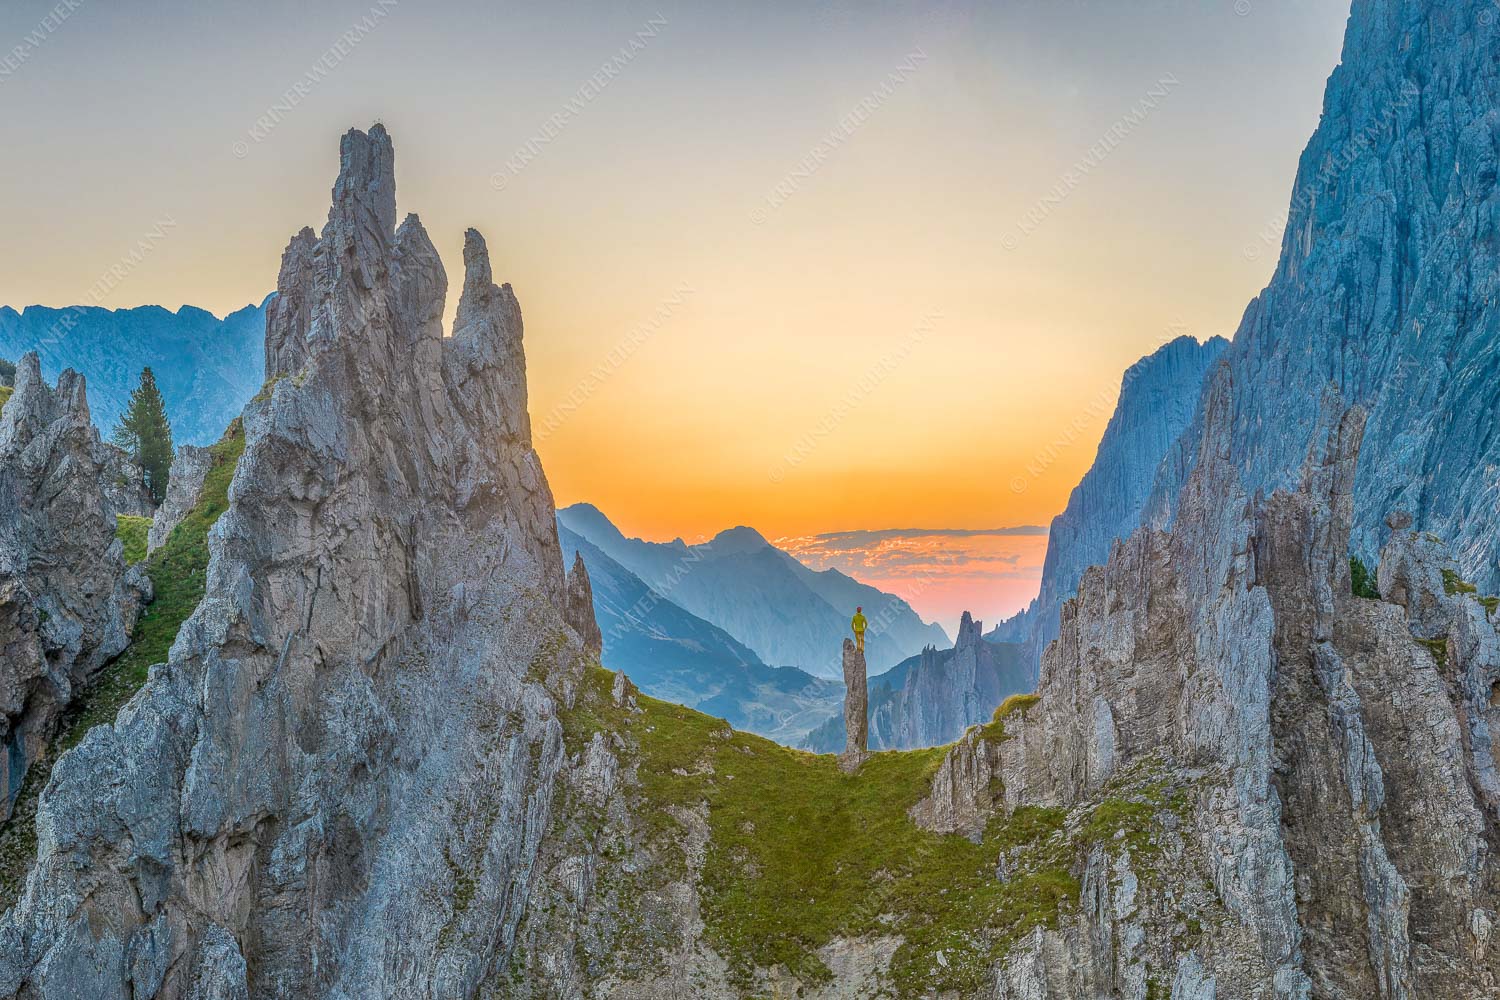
(801, 853)
(5, 394)
(132, 532)
(178, 570)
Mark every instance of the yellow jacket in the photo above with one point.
(858, 623)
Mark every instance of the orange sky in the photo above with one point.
(989, 573)
(800, 266)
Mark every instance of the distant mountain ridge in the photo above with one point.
(788, 614)
(676, 656)
(207, 368)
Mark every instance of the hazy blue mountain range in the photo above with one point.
(1158, 396)
(676, 656)
(931, 698)
(787, 613)
(207, 368)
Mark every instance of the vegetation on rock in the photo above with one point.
(1361, 580)
(132, 533)
(178, 572)
(1453, 584)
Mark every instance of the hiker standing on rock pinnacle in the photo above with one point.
(858, 624)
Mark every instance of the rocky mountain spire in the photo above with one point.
(364, 196)
(67, 603)
(578, 609)
(338, 784)
(970, 632)
(856, 706)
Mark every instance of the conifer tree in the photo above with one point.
(146, 434)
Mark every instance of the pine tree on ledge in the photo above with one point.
(146, 434)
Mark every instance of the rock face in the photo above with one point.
(338, 785)
(125, 485)
(190, 468)
(1335, 777)
(1387, 285)
(578, 608)
(762, 596)
(962, 798)
(1158, 396)
(856, 703)
(67, 604)
(206, 368)
(370, 767)
(931, 699)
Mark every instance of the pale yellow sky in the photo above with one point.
(875, 264)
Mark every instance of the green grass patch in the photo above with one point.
(1361, 580)
(178, 572)
(994, 730)
(132, 532)
(5, 393)
(801, 853)
(1123, 819)
(267, 389)
(1438, 648)
(1015, 703)
(1454, 584)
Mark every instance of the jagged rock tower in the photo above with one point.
(856, 705)
(67, 602)
(579, 608)
(338, 785)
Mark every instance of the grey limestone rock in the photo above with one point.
(67, 604)
(578, 610)
(124, 485)
(930, 699)
(1386, 286)
(190, 467)
(856, 704)
(963, 790)
(338, 784)
(1334, 753)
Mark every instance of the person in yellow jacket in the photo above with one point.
(858, 624)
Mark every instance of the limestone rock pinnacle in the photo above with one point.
(856, 705)
(67, 604)
(578, 608)
(358, 725)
